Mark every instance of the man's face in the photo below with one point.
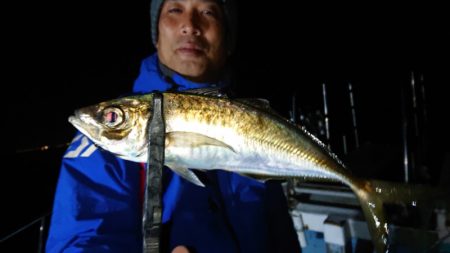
(191, 38)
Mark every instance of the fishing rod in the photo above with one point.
(41, 148)
(325, 111)
(42, 222)
(353, 110)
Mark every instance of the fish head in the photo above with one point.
(118, 126)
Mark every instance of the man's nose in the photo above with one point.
(190, 25)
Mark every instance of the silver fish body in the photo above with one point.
(210, 133)
(207, 132)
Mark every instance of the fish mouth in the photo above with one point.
(80, 125)
(75, 122)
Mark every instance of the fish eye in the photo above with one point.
(112, 116)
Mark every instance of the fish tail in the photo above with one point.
(373, 194)
(372, 206)
(421, 199)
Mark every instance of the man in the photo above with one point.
(98, 201)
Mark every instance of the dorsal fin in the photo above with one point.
(212, 91)
(260, 103)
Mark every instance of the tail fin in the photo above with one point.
(373, 194)
(372, 206)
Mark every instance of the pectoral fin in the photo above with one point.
(192, 140)
(187, 174)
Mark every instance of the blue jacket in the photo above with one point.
(97, 206)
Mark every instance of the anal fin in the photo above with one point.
(187, 174)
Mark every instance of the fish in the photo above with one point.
(207, 131)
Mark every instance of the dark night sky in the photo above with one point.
(87, 52)
(59, 56)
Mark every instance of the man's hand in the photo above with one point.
(180, 249)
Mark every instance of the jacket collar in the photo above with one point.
(155, 76)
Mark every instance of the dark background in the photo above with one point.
(59, 56)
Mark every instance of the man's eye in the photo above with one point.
(210, 13)
(174, 10)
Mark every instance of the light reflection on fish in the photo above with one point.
(242, 136)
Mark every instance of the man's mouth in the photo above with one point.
(190, 49)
